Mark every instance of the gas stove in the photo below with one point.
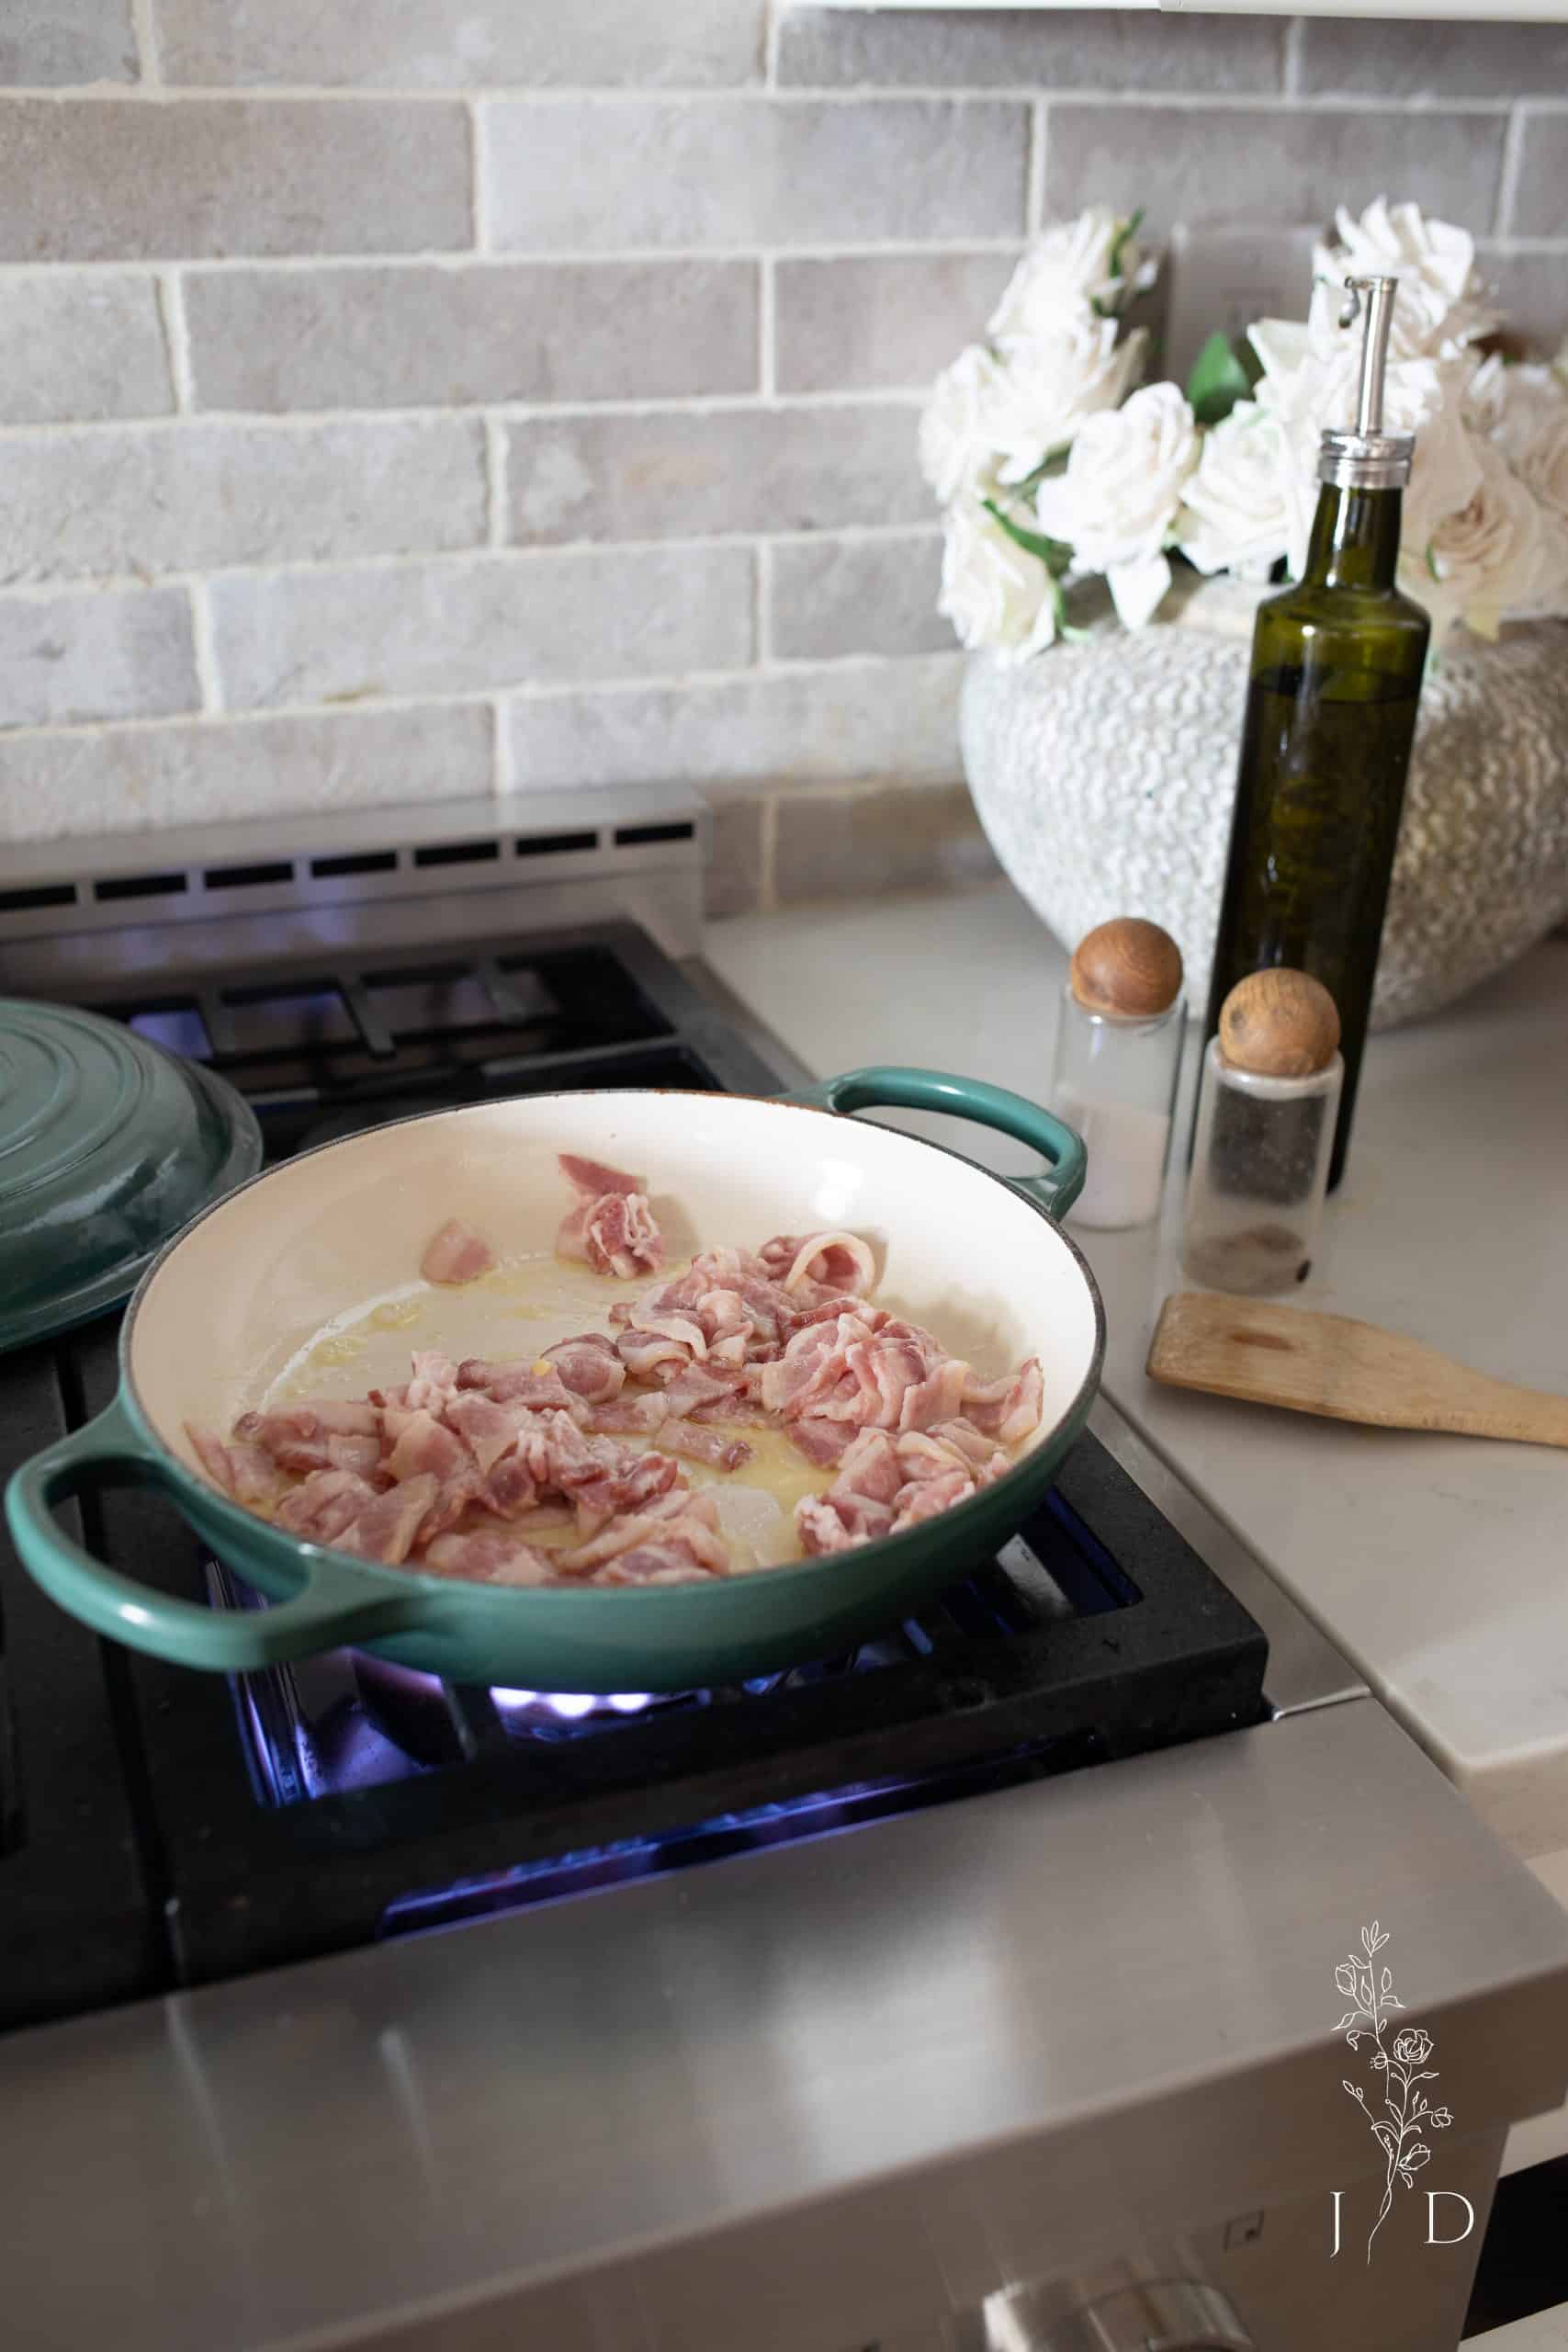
(226, 1856)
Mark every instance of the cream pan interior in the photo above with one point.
(252, 1301)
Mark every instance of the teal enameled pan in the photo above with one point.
(255, 1282)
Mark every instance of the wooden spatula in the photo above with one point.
(1349, 1371)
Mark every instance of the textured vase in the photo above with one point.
(1103, 772)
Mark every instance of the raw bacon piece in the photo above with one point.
(870, 1468)
(822, 1442)
(311, 1436)
(592, 1176)
(323, 1505)
(589, 1366)
(981, 1454)
(925, 1498)
(935, 1398)
(644, 1353)
(637, 1415)
(213, 1456)
(821, 1261)
(510, 1490)
(650, 1564)
(697, 1386)
(611, 1226)
(435, 1379)
(417, 1443)
(491, 1557)
(456, 1254)
(387, 1527)
(487, 1428)
(1008, 1408)
(711, 1446)
(521, 1384)
(686, 1523)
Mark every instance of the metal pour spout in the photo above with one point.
(1380, 294)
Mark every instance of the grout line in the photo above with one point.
(1034, 200)
(522, 690)
(762, 606)
(768, 854)
(767, 330)
(1508, 175)
(479, 174)
(755, 96)
(205, 643)
(146, 31)
(504, 773)
(1290, 57)
(495, 469)
(303, 421)
(772, 35)
(565, 553)
(176, 346)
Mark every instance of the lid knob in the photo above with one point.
(1278, 1023)
(1128, 968)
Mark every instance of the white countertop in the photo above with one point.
(1438, 1564)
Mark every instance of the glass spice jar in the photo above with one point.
(1268, 1105)
(1117, 1058)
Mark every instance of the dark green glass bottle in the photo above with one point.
(1336, 675)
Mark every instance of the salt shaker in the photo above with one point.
(1267, 1113)
(1117, 1057)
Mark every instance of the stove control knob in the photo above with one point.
(1163, 2315)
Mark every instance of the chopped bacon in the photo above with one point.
(821, 1261)
(592, 1176)
(711, 1446)
(456, 1254)
(611, 1226)
(458, 1469)
(323, 1505)
(589, 1366)
(417, 1443)
(492, 1557)
(387, 1527)
(1008, 1408)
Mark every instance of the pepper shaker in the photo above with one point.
(1268, 1105)
(1117, 1057)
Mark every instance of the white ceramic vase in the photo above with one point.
(1104, 771)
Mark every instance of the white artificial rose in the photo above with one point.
(1048, 385)
(1118, 498)
(1067, 266)
(1440, 306)
(1420, 396)
(1490, 557)
(1237, 510)
(957, 453)
(1525, 412)
(1543, 463)
(994, 592)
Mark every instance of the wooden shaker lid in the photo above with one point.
(1278, 1023)
(1129, 968)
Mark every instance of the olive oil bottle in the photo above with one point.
(1335, 674)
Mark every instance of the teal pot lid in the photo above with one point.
(108, 1145)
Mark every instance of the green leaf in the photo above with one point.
(1432, 562)
(1124, 238)
(1053, 462)
(1218, 380)
(1055, 554)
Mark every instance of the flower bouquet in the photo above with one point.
(1053, 461)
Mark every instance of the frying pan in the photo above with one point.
(233, 1300)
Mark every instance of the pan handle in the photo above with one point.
(333, 1606)
(968, 1098)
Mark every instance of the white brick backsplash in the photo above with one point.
(125, 778)
(838, 596)
(109, 654)
(81, 347)
(670, 471)
(1066, 49)
(364, 337)
(864, 321)
(442, 44)
(52, 43)
(492, 621)
(738, 172)
(124, 179)
(188, 496)
(852, 719)
(552, 371)
(1204, 165)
